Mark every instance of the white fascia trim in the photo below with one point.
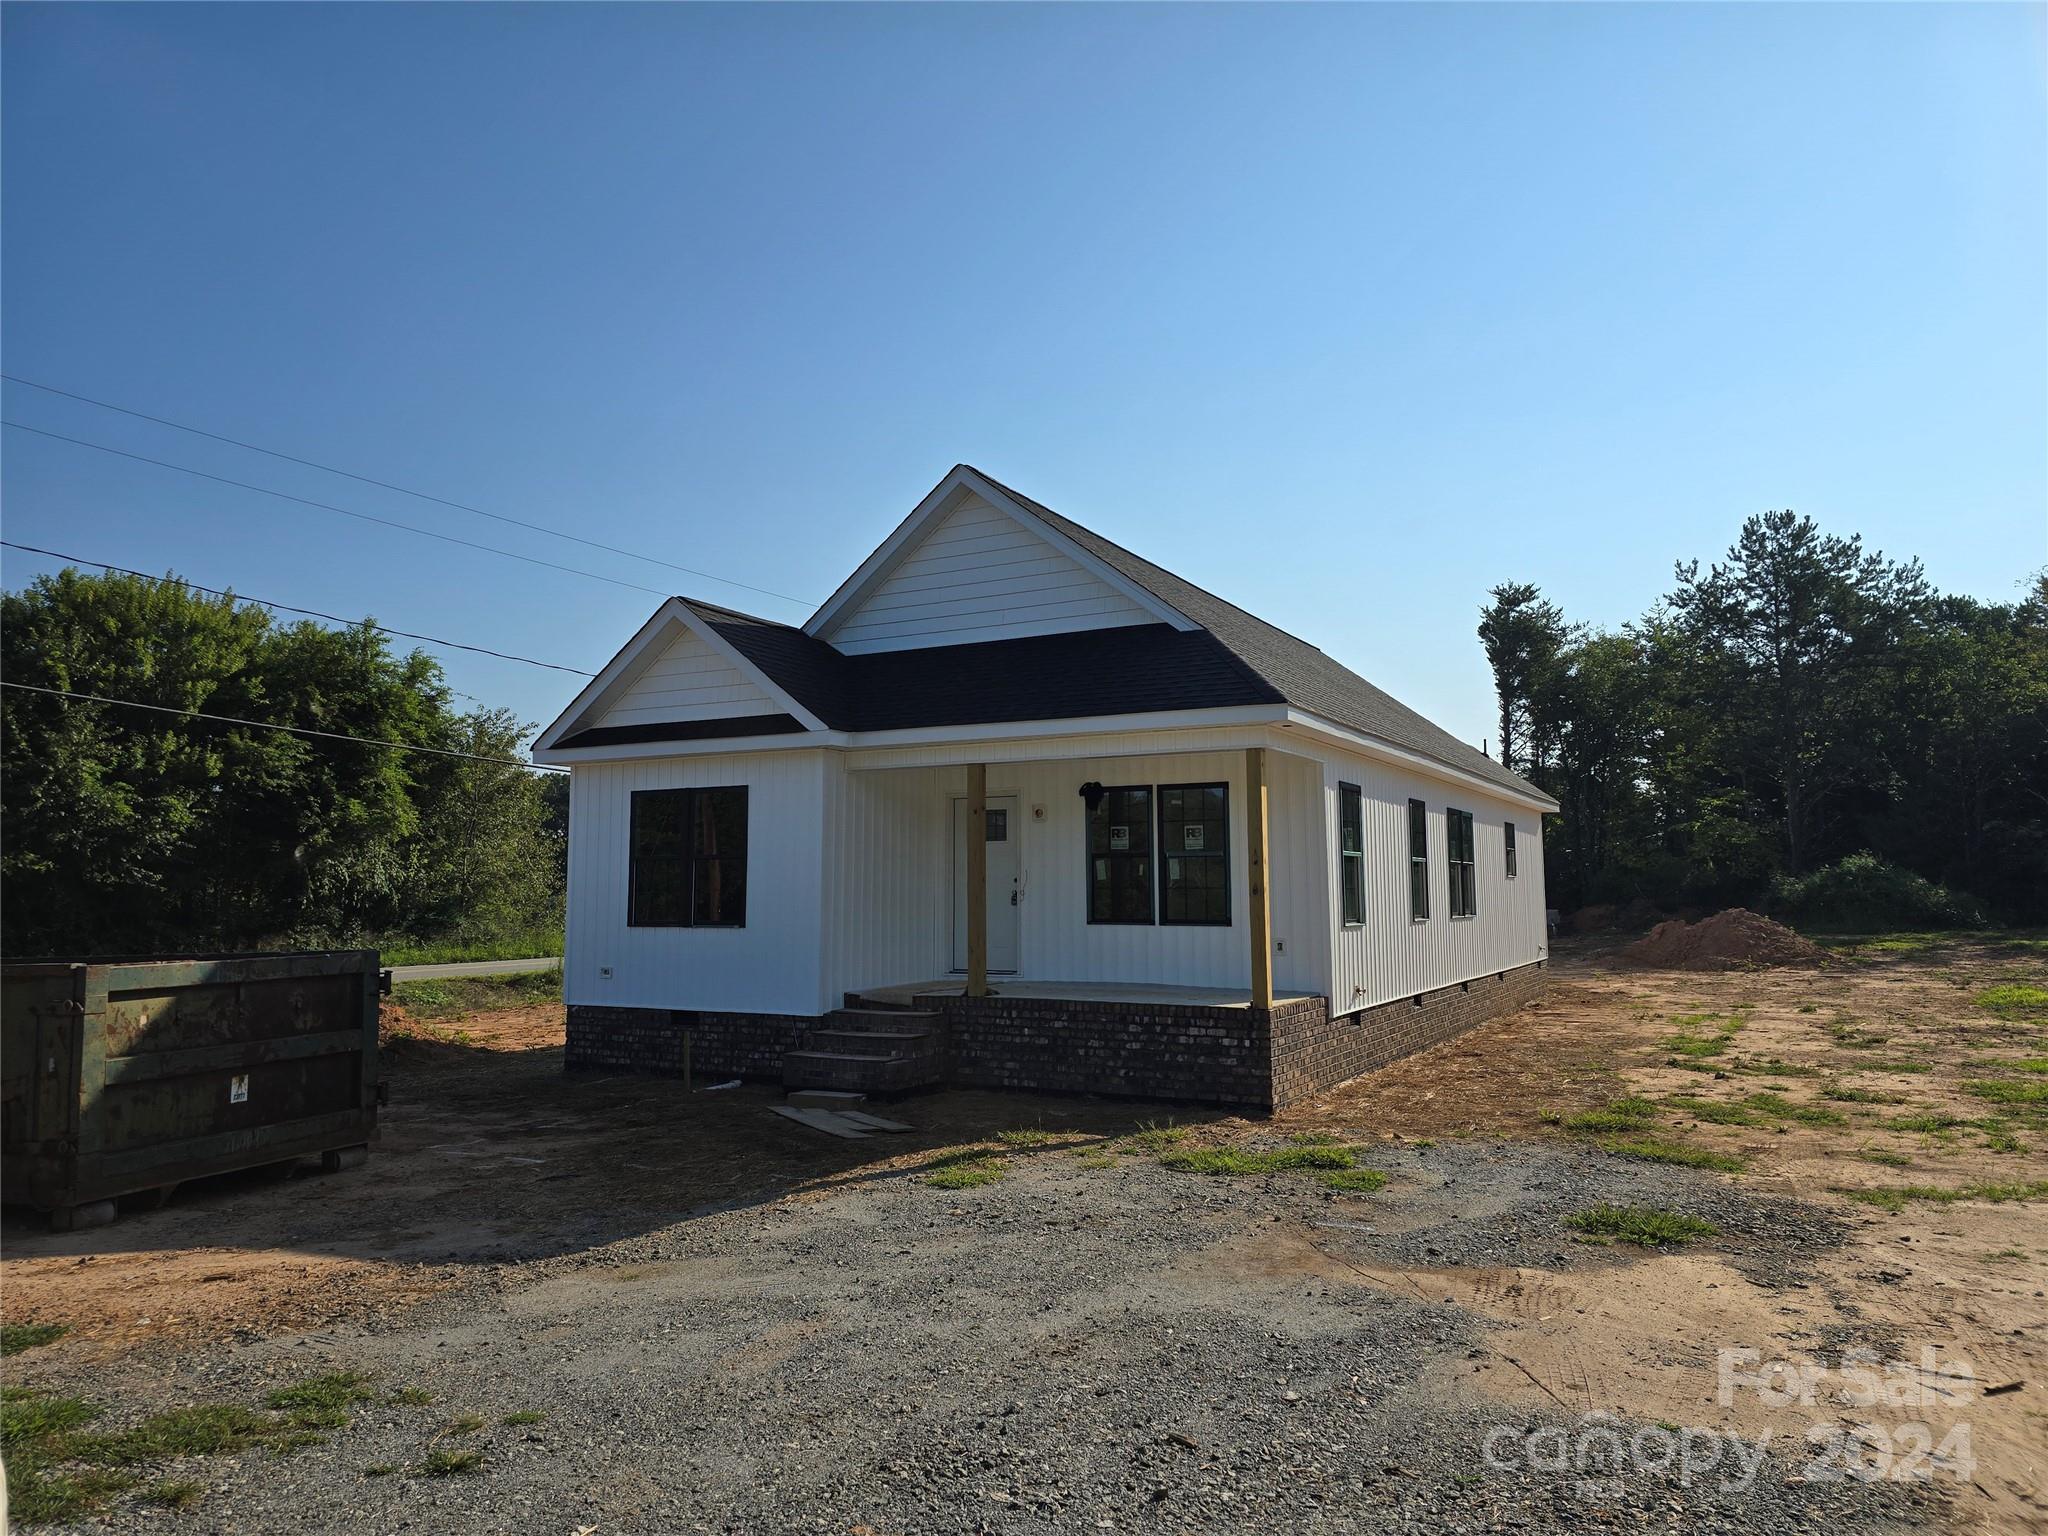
(938, 736)
(1372, 746)
(678, 612)
(890, 553)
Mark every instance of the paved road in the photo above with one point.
(473, 968)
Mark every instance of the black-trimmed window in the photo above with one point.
(1418, 860)
(689, 858)
(1120, 856)
(1194, 853)
(1464, 867)
(1510, 826)
(1351, 850)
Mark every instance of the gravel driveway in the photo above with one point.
(1076, 1348)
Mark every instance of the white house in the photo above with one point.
(1019, 808)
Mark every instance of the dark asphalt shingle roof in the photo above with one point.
(1234, 658)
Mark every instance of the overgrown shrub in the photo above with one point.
(1863, 894)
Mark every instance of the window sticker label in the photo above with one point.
(238, 1088)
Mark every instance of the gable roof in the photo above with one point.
(1302, 675)
(1211, 655)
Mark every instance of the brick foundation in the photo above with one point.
(650, 1040)
(1312, 1054)
(1258, 1058)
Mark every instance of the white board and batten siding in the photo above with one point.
(978, 574)
(772, 965)
(686, 680)
(1390, 955)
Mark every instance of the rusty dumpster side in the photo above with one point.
(131, 1075)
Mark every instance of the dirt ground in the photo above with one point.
(498, 1181)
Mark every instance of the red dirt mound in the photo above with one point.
(1725, 941)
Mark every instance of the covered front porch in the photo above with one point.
(1104, 870)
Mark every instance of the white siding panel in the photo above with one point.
(772, 965)
(688, 680)
(977, 574)
(1390, 955)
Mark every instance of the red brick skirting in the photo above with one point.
(1253, 1057)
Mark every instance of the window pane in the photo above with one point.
(721, 823)
(1418, 888)
(1354, 887)
(1351, 817)
(721, 893)
(1119, 856)
(659, 893)
(1196, 890)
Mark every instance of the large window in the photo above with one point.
(1510, 827)
(1351, 850)
(1120, 856)
(1464, 868)
(689, 858)
(1194, 853)
(1418, 861)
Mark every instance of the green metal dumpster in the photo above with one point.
(126, 1076)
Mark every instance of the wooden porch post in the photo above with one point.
(1262, 905)
(977, 880)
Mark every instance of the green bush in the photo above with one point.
(1863, 894)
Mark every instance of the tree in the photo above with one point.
(1809, 626)
(125, 830)
(1523, 635)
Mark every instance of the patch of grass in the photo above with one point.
(28, 1416)
(411, 1397)
(2030, 1064)
(1847, 1031)
(1772, 1066)
(1703, 1034)
(1885, 1159)
(1713, 1111)
(16, 1337)
(1240, 1161)
(452, 997)
(1894, 1197)
(968, 1168)
(524, 1416)
(321, 1402)
(1845, 1095)
(1783, 1108)
(463, 1424)
(1355, 1181)
(1896, 1064)
(2005, 1256)
(1095, 1157)
(1654, 1149)
(1647, 1226)
(1630, 1114)
(179, 1495)
(204, 1429)
(38, 1496)
(379, 1469)
(534, 944)
(2014, 1000)
(2007, 1091)
(1027, 1137)
(1152, 1138)
(446, 1463)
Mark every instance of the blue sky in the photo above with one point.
(1345, 312)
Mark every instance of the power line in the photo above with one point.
(311, 613)
(270, 725)
(460, 506)
(328, 506)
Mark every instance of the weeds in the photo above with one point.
(16, 1337)
(1152, 1138)
(1240, 1161)
(1894, 1198)
(1355, 1181)
(1843, 1095)
(446, 1463)
(968, 1168)
(1885, 1159)
(2008, 1091)
(1652, 1149)
(1027, 1137)
(453, 996)
(1713, 1111)
(322, 1402)
(179, 1495)
(1703, 1034)
(1644, 1225)
(465, 1424)
(1630, 1114)
(524, 1416)
(2015, 1000)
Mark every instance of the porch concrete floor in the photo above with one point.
(908, 993)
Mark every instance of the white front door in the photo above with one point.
(1004, 890)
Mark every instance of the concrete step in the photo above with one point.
(895, 1042)
(826, 1098)
(881, 1018)
(860, 1071)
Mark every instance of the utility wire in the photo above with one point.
(269, 725)
(311, 613)
(460, 506)
(328, 506)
